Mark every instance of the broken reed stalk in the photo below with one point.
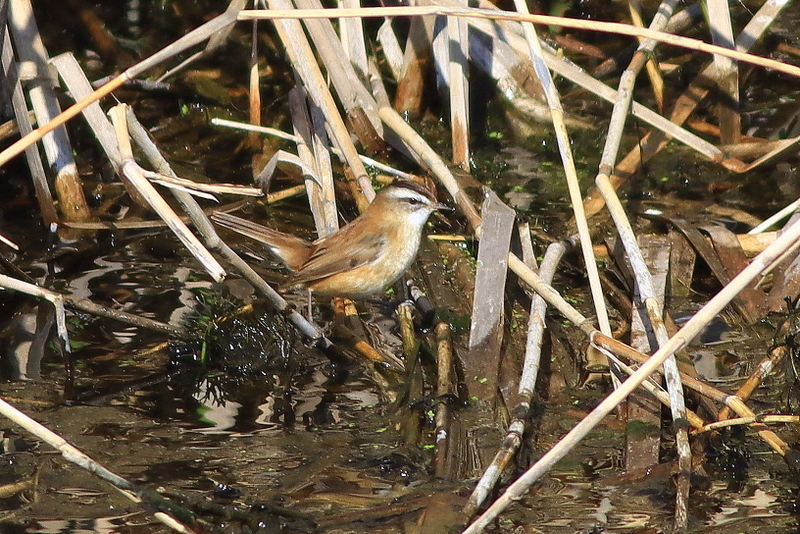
(793, 419)
(57, 148)
(366, 160)
(351, 34)
(77, 457)
(719, 22)
(653, 72)
(23, 119)
(444, 366)
(325, 191)
(312, 150)
(544, 20)
(133, 172)
(776, 356)
(457, 41)
(56, 299)
(678, 341)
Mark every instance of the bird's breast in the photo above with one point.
(376, 275)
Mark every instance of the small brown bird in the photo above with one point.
(363, 257)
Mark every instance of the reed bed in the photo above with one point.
(353, 90)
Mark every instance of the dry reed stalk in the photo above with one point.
(58, 150)
(124, 317)
(366, 160)
(322, 151)
(312, 153)
(557, 113)
(302, 58)
(457, 40)
(775, 218)
(56, 299)
(78, 85)
(200, 189)
(34, 160)
(653, 72)
(794, 419)
(652, 387)
(655, 314)
(719, 22)
(444, 361)
(751, 244)
(627, 81)
(215, 39)
(767, 365)
(137, 180)
(544, 20)
(391, 48)
(351, 33)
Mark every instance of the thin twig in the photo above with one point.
(544, 20)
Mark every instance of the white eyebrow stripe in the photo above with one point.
(403, 193)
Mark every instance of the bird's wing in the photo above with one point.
(330, 256)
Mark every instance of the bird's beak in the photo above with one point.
(443, 207)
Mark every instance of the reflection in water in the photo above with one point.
(217, 414)
(29, 333)
(101, 525)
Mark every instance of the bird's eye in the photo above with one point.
(414, 201)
